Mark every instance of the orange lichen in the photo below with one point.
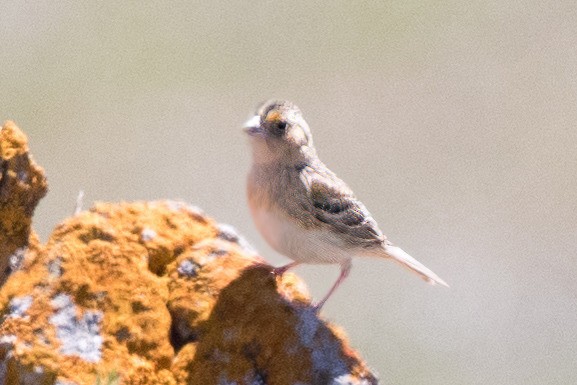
(159, 293)
(22, 185)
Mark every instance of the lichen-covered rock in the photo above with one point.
(22, 185)
(158, 293)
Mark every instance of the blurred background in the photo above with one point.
(453, 121)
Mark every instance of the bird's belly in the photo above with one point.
(300, 244)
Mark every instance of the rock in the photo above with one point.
(22, 185)
(158, 293)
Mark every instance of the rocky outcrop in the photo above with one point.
(150, 293)
(22, 185)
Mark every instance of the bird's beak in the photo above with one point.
(252, 126)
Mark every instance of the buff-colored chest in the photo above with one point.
(270, 209)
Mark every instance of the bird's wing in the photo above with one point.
(331, 202)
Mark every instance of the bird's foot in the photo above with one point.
(279, 271)
(316, 307)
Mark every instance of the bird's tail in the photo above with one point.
(404, 259)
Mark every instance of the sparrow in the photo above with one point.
(301, 208)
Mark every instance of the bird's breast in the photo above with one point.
(272, 228)
(287, 237)
(269, 203)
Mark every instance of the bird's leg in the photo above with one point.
(283, 269)
(345, 269)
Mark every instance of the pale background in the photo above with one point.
(453, 121)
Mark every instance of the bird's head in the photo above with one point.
(278, 132)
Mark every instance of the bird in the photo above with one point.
(301, 208)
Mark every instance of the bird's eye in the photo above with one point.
(281, 126)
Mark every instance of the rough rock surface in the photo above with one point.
(152, 293)
(22, 185)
